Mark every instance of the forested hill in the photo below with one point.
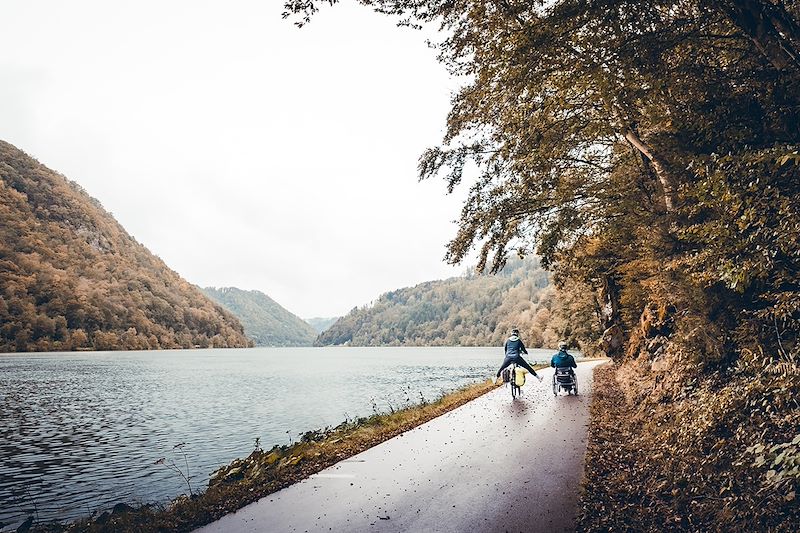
(473, 310)
(320, 324)
(72, 278)
(264, 320)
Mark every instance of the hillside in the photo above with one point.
(72, 278)
(320, 324)
(472, 310)
(264, 320)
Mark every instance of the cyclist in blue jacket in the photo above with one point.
(514, 348)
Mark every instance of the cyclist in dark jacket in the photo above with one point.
(562, 359)
(514, 348)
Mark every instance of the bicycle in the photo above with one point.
(515, 379)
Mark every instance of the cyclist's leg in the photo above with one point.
(507, 361)
(524, 364)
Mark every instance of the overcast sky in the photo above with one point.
(241, 150)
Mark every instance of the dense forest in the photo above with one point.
(71, 278)
(263, 319)
(648, 152)
(473, 310)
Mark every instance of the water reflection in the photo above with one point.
(81, 432)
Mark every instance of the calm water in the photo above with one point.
(81, 432)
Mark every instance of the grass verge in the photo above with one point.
(266, 471)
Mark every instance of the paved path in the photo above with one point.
(483, 467)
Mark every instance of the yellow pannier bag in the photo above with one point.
(519, 376)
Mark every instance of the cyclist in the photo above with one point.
(514, 348)
(562, 359)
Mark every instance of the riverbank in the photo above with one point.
(719, 453)
(266, 471)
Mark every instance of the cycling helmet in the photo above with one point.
(563, 345)
(515, 331)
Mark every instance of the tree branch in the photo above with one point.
(659, 167)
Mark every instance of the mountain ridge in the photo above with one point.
(264, 320)
(320, 324)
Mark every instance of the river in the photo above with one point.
(81, 432)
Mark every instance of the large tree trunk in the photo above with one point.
(771, 28)
(613, 338)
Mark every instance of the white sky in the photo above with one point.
(243, 151)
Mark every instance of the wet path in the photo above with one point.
(484, 467)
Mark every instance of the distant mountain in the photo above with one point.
(264, 320)
(472, 310)
(72, 278)
(321, 324)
